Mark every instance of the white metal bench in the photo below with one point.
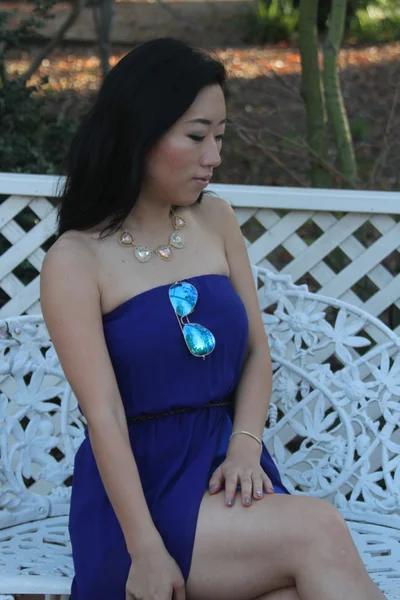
(333, 428)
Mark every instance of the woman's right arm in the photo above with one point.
(70, 302)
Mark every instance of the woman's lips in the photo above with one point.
(202, 182)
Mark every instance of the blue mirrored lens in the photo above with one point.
(183, 298)
(199, 339)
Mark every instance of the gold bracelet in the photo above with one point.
(246, 433)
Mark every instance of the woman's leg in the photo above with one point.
(279, 542)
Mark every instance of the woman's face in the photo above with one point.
(180, 165)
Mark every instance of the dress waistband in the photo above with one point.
(177, 411)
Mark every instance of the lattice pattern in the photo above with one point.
(21, 254)
(351, 256)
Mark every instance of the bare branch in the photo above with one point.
(70, 20)
(254, 137)
(250, 139)
(380, 161)
(286, 84)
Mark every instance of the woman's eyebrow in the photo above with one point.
(205, 121)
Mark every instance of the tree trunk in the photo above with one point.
(3, 70)
(333, 93)
(312, 92)
(103, 13)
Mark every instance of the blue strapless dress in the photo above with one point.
(176, 454)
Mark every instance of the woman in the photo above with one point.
(149, 299)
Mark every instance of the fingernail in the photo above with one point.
(271, 489)
(229, 501)
(247, 500)
(212, 488)
(258, 494)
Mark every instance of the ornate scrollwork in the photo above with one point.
(333, 427)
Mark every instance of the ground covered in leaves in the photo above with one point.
(265, 139)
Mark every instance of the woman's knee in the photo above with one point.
(329, 538)
(327, 517)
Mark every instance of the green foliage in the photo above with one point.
(366, 21)
(32, 139)
(28, 27)
(378, 21)
(359, 128)
(272, 21)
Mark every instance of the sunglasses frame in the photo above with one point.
(182, 324)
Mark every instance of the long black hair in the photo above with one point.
(147, 91)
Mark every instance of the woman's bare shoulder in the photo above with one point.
(77, 240)
(213, 203)
(213, 210)
(73, 247)
(71, 259)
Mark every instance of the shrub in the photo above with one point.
(32, 139)
(378, 21)
(272, 21)
(366, 20)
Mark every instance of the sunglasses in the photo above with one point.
(199, 340)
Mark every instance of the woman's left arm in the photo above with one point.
(242, 464)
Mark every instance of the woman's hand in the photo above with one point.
(241, 467)
(154, 575)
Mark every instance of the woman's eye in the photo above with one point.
(198, 138)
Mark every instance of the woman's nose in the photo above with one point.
(211, 157)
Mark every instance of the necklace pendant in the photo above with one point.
(178, 222)
(143, 254)
(164, 252)
(176, 240)
(126, 239)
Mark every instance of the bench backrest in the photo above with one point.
(333, 426)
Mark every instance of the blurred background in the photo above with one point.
(53, 56)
